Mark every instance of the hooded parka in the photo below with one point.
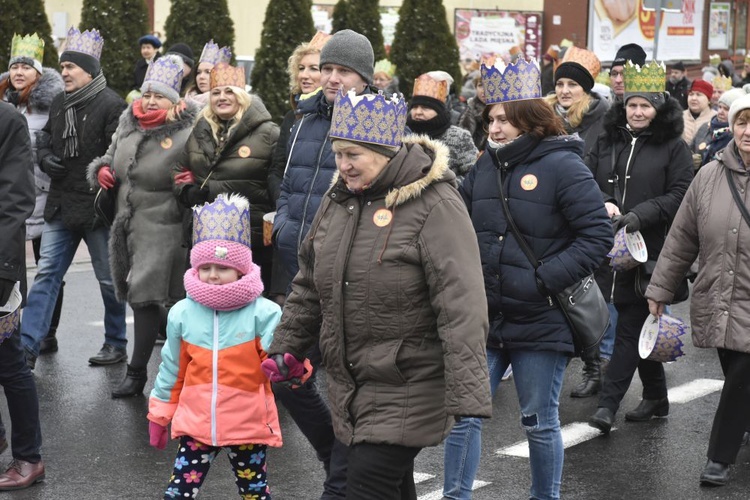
(709, 226)
(146, 255)
(390, 283)
(653, 170)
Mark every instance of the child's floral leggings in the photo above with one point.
(194, 459)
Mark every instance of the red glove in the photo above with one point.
(286, 369)
(157, 435)
(184, 177)
(105, 177)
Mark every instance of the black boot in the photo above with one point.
(602, 419)
(592, 380)
(135, 381)
(647, 409)
(49, 343)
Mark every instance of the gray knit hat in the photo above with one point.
(164, 76)
(349, 48)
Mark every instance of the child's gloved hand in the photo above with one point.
(286, 369)
(157, 435)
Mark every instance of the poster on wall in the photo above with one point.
(481, 33)
(614, 23)
(718, 26)
(323, 19)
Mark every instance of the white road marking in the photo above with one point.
(421, 477)
(579, 432)
(438, 494)
(100, 324)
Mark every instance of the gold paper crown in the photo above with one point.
(722, 83)
(427, 86)
(603, 78)
(223, 74)
(714, 59)
(29, 46)
(585, 58)
(319, 40)
(386, 67)
(650, 78)
(747, 59)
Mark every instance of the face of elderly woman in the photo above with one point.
(203, 76)
(358, 166)
(568, 92)
(309, 73)
(697, 102)
(224, 103)
(639, 113)
(22, 75)
(151, 101)
(741, 132)
(499, 128)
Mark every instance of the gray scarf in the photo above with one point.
(75, 100)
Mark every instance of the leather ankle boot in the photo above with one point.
(135, 381)
(602, 419)
(647, 409)
(49, 343)
(592, 380)
(715, 474)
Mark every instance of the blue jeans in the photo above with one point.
(538, 376)
(59, 246)
(607, 345)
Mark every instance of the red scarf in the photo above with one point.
(149, 119)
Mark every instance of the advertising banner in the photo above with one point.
(615, 23)
(718, 26)
(481, 33)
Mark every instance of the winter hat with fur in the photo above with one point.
(221, 233)
(349, 48)
(739, 105)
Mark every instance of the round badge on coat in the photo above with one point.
(382, 217)
(166, 143)
(244, 151)
(529, 182)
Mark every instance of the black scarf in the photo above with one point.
(434, 127)
(514, 153)
(73, 101)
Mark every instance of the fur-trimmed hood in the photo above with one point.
(421, 161)
(48, 86)
(667, 125)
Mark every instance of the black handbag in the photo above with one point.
(582, 303)
(643, 278)
(105, 204)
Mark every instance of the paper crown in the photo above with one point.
(603, 77)
(10, 313)
(212, 54)
(426, 85)
(714, 59)
(385, 66)
(165, 76)
(553, 51)
(650, 78)
(370, 118)
(585, 58)
(319, 40)
(227, 218)
(747, 59)
(88, 42)
(722, 83)
(515, 82)
(27, 47)
(223, 74)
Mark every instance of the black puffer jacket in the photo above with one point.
(653, 169)
(72, 196)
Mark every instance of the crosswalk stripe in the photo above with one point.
(438, 494)
(100, 323)
(421, 477)
(579, 432)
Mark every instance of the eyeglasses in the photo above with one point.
(615, 74)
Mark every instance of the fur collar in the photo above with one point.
(667, 125)
(49, 85)
(129, 123)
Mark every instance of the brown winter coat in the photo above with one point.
(709, 225)
(399, 307)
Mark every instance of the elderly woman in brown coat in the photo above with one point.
(395, 299)
(710, 226)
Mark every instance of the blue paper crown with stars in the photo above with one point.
(515, 82)
(213, 54)
(88, 42)
(226, 218)
(370, 118)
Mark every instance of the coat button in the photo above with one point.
(500, 237)
(369, 203)
(351, 207)
(726, 313)
(731, 273)
(333, 195)
(346, 283)
(734, 230)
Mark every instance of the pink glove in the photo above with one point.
(157, 435)
(184, 177)
(105, 177)
(286, 369)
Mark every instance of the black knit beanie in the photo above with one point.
(427, 102)
(87, 63)
(184, 51)
(577, 73)
(630, 52)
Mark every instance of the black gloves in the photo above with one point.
(6, 287)
(51, 166)
(192, 195)
(629, 221)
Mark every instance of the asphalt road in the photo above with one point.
(97, 448)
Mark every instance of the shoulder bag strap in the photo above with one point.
(736, 196)
(512, 224)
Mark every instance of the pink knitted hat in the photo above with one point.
(221, 234)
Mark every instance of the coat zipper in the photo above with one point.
(309, 193)
(215, 378)
(624, 193)
(289, 159)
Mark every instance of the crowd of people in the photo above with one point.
(415, 255)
